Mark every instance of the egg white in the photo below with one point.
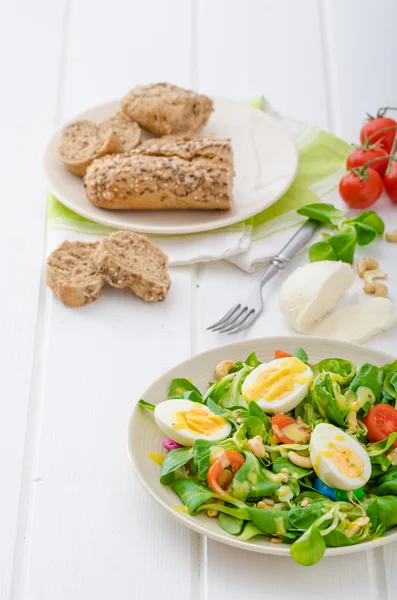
(325, 469)
(164, 415)
(287, 402)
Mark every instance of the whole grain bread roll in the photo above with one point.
(129, 260)
(82, 142)
(72, 274)
(197, 174)
(128, 132)
(163, 108)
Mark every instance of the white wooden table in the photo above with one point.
(74, 522)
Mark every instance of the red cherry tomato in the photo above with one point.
(390, 183)
(372, 126)
(381, 421)
(281, 354)
(358, 157)
(361, 192)
(287, 430)
(227, 459)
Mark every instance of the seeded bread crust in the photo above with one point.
(128, 132)
(163, 108)
(72, 275)
(189, 147)
(82, 142)
(129, 260)
(142, 180)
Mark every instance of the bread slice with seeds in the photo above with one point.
(128, 132)
(72, 274)
(163, 108)
(129, 260)
(82, 142)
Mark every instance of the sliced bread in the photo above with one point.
(189, 147)
(82, 142)
(129, 260)
(72, 275)
(163, 108)
(128, 132)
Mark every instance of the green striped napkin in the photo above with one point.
(251, 243)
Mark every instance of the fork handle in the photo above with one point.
(297, 241)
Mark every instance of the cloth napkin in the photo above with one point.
(251, 243)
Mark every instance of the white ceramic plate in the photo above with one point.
(144, 435)
(265, 161)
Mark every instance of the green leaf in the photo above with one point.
(303, 518)
(249, 531)
(192, 493)
(382, 510)
(367, 376)
(322, 251)
(252, 361)
(250, 481)
(232, 525)
(369, 218)
(309, 548)
(215, 408)
(255, 411)
(336, 538)
(270, 521)
(179, 387)
(239, 513)
(174, 460)
(255, 426)
(146, 405)
(381, 447)
(365, 234)
(324, 396)
(343, 244)
(324, 213)
(301, 354)
(296, 472)
(345, 369)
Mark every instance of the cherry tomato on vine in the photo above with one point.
(390, 183)
(373, 125)
(360, 156)
(361, 189)
(281, 354)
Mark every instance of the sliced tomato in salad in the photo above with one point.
(281, 354)
(380, 422)
(232, 459)
(287, 430)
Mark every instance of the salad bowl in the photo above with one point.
(145, 438)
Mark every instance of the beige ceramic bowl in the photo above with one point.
(144, 435)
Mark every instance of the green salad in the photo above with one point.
(302, 454)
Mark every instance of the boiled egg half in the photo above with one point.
(338, 459)
(279, 385)
(185, 422)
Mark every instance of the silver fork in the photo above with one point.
(246, 311)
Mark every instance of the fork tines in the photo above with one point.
(236, 319)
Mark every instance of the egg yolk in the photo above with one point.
(278, 381)
(345, 460)
(199, 421)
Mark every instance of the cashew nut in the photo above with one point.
(300, 461)
(268, 501)
(305, 502)
(256, 446)
(366, 264)
(223, 368)
(391, 236)
(261, 504)
(372, 274)
(276, 540)
(381, 290)
(392, 456)
(212, 512)
(239, 421)
(370, 288)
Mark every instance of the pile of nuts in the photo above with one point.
(368, 269)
